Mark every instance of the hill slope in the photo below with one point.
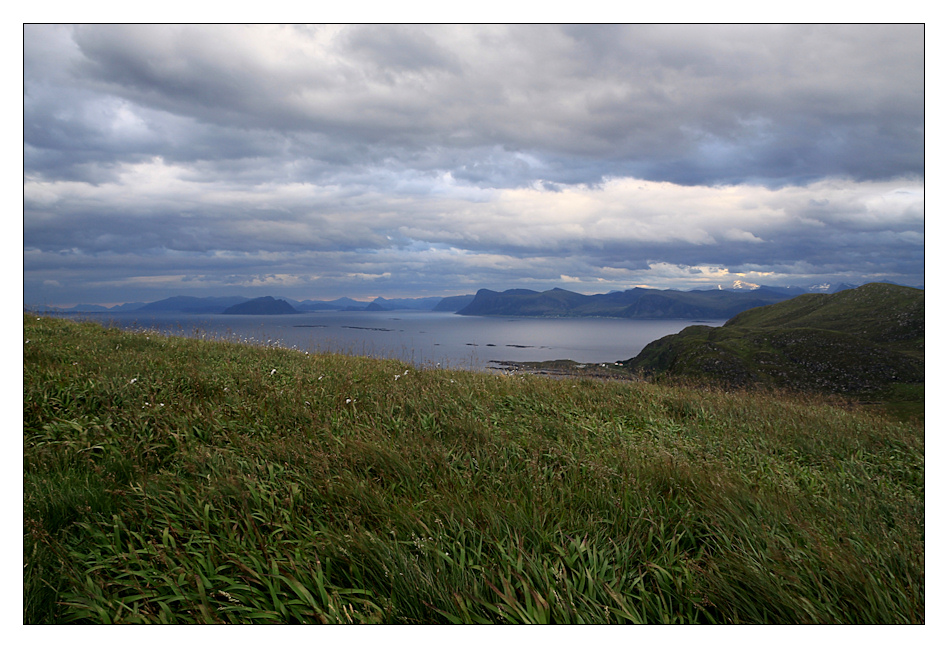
(174, 480)
(856, 341)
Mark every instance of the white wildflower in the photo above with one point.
(273, 371)
(397, 376)
(133, 381)
(348, 400)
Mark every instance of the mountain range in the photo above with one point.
(220, 305)
(636, 303)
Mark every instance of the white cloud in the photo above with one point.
(155, 205)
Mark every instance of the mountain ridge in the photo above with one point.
(635, 303)
(453, 303)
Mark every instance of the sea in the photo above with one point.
(423, 338)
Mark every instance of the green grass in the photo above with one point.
(172, 480)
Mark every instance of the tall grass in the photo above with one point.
(173, 480)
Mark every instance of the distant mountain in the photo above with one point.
(742, 285)
(96, 308)
(637, 303)
(858, 340)
(220, 304)
(519, 301)
(202, 305)
(417, 303)
(825, 288)
(830, 288)
(261, 306)
(342, 303)
(130, 306)
(792, 291)
(453, 304)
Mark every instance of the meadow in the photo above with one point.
(176, 480)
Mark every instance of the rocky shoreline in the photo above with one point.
(566, 369)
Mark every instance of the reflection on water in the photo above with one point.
(420, 337)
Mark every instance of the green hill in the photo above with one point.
(861, 341)
(882, 313)
(175, 480)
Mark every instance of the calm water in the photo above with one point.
(421, 337)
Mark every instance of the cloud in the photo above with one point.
(319, 157)
(689, 104)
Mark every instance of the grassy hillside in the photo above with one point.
(882, 313)
(177, 480)
(867, 342)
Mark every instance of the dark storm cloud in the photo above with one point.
(322, 158)
(685, 104)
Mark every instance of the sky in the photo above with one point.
(315, 162)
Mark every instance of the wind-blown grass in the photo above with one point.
(173, 480)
